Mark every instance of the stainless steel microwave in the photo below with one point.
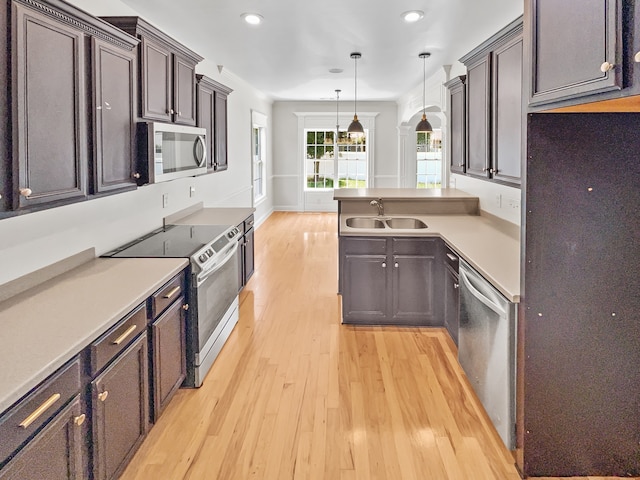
(171, 151)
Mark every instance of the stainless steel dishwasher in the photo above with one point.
(487, 347)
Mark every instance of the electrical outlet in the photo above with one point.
(499, 201)
(165, 200)
(192, 191)
(513, 203)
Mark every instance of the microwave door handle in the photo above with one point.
(201, 162)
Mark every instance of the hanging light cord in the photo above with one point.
(355, 84)
(424, 81)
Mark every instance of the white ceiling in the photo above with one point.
(289, 55)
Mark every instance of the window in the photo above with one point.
(322, 163)
(258, 154)
(429, 159)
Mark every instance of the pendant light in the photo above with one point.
(424, 125)
(356, 126)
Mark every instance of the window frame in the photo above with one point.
(259, 156)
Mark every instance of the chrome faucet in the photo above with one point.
(378, 203)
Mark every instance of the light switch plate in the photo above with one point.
(165, 200)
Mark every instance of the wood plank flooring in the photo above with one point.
(296, 395)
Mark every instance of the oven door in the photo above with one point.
(216, 290)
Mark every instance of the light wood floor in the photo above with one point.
(296, 395)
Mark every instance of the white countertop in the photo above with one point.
(47, 325)
(488, 245)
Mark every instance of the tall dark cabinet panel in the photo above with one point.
(184, 75)
(49, 109)
(457, 118)
(581, 302)
(573, 45)
(507, 113)
(114, 100)
(478, 117)
(5, 127)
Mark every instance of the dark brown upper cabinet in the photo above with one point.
(507, 113)
(457, 115)
(167, 73)
(494, 107)
(57, 148)
(50, 127)
(114, 73)
(581, 52)
(212, 115)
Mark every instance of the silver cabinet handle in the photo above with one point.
(26, 192)
(124, 336)
(136, 175)
(107, 106)
(384, 264)
(396, 264)
(461, 164)
(172, 292)
(179, 114)
(606, 66)
(103, 396)
(453, 258)
(636, 57)
(171, 111)
(456, 285)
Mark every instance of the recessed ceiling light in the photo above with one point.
(336, 70)
(412, 16)
(252, 18)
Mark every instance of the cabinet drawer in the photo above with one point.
(248, 223)
(415, 246)
(364, 245)
(167, 295)
(115, 340)
(23, 420)
(451, 258)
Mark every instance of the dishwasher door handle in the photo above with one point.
(476, 293)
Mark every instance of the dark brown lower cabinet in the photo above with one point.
(120, 402)
(55, 453)
(168, 357)
(392, 281)
(246, 263)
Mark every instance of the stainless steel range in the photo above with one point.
(212, 285)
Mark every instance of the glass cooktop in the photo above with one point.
(175, 241)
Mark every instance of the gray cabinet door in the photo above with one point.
(570, 40)
(507, 113)
(114, 98)
(156, 77)
(414, 282)
(365, 289)
(478, 117)
(50, 123)
(120, 408)
(457, 120)
(55, 453)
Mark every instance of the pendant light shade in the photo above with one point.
(424, 125)
(356, 126)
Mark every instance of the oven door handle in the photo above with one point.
(229, 252)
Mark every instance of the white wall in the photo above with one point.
(288, 175)
(32, 241)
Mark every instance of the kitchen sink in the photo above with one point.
(393, 222)
(407, 223)
(364, 222)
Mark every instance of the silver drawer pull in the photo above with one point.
(103, 396)
(79, 420)
(122, 337)
(172, 292)
(453, 258)
(40, 410)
